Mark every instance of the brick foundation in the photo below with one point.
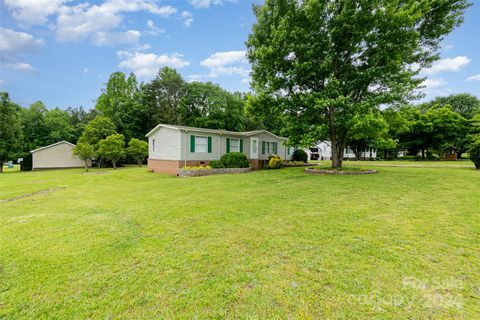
(171, 166)
(164, 166)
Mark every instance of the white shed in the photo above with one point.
(57, 155)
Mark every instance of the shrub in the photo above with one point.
(234, 160)
(300, 155)
(216, 164)
(275, 162)
(475, 153)
(26, 164)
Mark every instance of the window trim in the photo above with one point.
(197, 145)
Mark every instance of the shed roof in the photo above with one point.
(215, 131)
(53, 145)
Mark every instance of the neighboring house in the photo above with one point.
(323, 151)
(171, 147)
(57, 155)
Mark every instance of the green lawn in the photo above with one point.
(127, 244)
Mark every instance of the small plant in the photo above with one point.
(234, 160)
(475, 153)
(275, 162)
(300, 155)
(216, 164)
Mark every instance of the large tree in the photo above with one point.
(35, 130)
(121, 101)
(464, 104)
(207, 105)
(10, 130)
(328, 62)
(162, 96)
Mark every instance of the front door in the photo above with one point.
(254, 148)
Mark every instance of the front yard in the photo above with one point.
(403, 243)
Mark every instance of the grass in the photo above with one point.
(272, 244)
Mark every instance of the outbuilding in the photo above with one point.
(55, 156)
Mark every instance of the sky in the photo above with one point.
(62, 52)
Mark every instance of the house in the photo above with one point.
(323, 151)
(171, 147)
(57, 155)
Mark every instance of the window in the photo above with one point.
(234, 145)
(201, 144)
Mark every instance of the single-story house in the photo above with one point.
(171, 147)
(57, 155)
(323, 151)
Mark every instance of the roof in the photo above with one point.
(53, 145)
(215, 131)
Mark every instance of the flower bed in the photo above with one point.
(205, 172)
(344, 171)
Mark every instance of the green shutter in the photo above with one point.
(275, 147)
(241, 145)
(263, 147)
(288, 150)
(209, 144)
(228, 145)
(192, 144)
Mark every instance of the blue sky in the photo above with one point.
(61, 52)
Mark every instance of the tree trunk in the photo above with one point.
(371, 153)
(1, 167)
(86, 165)
(114, 163)
(337, 146)
(140, 163)
(423, 153)
(357, 153)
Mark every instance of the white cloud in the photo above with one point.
(14, 45)
(153, 29)
(433, 83)
(448, 64)
(187, 19)
(475, 77)
(112, 38)
(195, 77)
(97, 22)
(146, 65)
(227, 63)
(33, 12)
(199, 4)
(246, 80)
(1, 82)
(21, 66)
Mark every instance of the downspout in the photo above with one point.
(186, 149)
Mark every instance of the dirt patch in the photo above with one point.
(28, 195)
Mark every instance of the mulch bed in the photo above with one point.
(342, 172)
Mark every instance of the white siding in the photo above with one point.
(58, 156)
(165, 144)
(281, 149)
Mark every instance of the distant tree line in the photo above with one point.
(126, 110)
(125, 107)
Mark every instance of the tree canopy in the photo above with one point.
(328, 62)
